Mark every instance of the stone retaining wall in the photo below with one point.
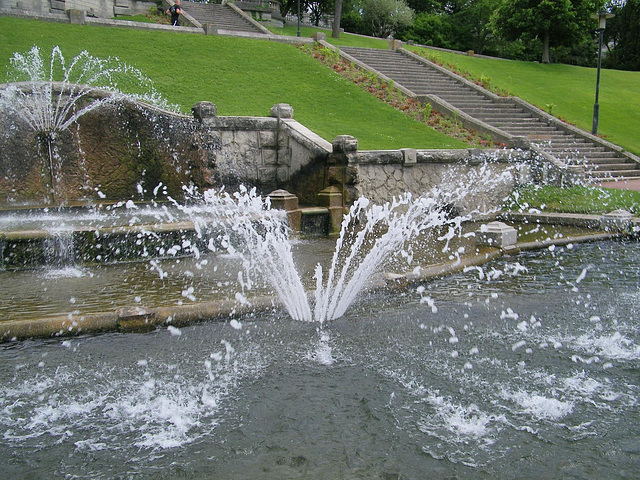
(132, 151)
(91, 8)
(381, 175)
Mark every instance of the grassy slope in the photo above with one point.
(577, 199)
(241, 76)
(569, 90)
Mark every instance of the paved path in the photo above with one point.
(622, 185)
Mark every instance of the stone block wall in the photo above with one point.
(487, 176)
(92, 8)
(130, 151)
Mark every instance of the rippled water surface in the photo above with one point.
(524, 368)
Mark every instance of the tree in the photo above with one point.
(553, 22)
(461, 25)
(337, 13)
(386, 17)
(316, 8)
(623, 31)
(430, 29)
(473, 22)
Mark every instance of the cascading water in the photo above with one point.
(50, 97)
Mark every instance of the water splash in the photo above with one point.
(370, 235)
(51, 97)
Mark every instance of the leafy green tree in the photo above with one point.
(386, 17)
(553, 22)
(430, 29)
(461, 25)
(427, 6)
(473, 23)
(623, 33)
(316, 8)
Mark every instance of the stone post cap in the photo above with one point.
(204, 110)
(344, 144)
(282, 110)
(283, 200)
(618, 220)
(496, 234)
(317, 36)
(76, 16)
(409, 156)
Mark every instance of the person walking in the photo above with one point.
(175, 11)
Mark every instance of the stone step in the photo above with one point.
(627, 174)
(222, 16)
(589, 149)
(421, 78)
(513, 118)
(610, 166)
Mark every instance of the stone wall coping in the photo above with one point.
(570, 219)
(471, 155)
(243, 123)
(106, 22)
(306, 137)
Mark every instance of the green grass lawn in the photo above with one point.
(241, 76)
(588, 200)
(568, 91)
(346, 39)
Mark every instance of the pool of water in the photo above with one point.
(524, 368)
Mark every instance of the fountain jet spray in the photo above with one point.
(369, 236)
(49, 98)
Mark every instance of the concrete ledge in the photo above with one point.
(306, 137)
(222, 310)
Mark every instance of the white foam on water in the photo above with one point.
(322, 352)
(538, 406)
(614, 346)
(154, 406)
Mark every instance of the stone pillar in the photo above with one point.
(282, 110)
(332, 199)
(340, 172)
(496, 234)
(616, 221)
(204, 112)
(210, 29)
(283, 200)
(317, 36)
(76, 17)
(393, 43)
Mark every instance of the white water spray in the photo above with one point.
(52, 97)
(370, 235)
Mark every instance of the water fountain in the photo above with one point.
(523, 368)
(50, 107)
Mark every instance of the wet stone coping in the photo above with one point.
(143, 319)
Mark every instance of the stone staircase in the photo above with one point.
(220, 16)
(509, 118)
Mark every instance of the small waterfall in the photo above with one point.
(59, 249)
